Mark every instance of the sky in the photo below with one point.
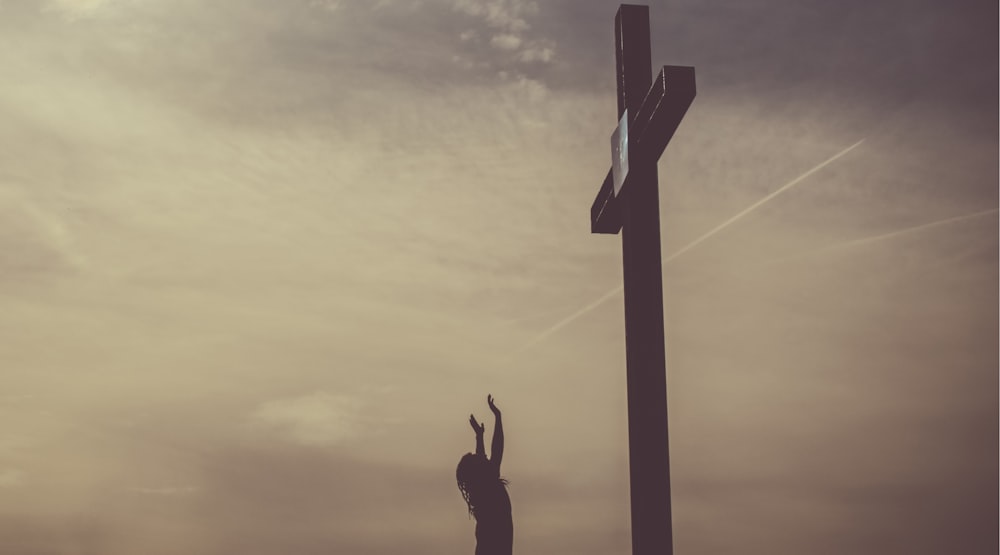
(260, 260)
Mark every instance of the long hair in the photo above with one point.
(474, 472)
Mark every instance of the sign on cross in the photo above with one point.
(649, 112)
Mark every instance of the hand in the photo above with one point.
(479, 428)
(489, 400)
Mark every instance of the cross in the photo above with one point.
(649, 112)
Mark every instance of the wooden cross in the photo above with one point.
(649, 113)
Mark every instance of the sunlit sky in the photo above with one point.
(259, 261)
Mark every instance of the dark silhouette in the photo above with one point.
(485, 492)
(649, 111)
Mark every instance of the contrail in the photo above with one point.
(569, 319)
(880, 237)
(538, 315)
(757, 204)
(864, 240)
(905, 231)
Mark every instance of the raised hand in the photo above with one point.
(479, 428)
(496, 448)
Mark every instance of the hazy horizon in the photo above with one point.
(261, 260)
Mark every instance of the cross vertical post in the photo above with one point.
(649, 463)
(649, 112)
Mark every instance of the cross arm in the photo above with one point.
(605, 214)
(650, 130)
(662, 110)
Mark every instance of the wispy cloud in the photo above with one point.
(507, 23)
(540, 51)
(168, 491)
(506, 41)
(317, 419)
(79, 9)
(11, 477)
(326, 5)
(508, 15)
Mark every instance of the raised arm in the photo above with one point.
(496, 448)
(479, 429)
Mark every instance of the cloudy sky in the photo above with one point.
(259, 260)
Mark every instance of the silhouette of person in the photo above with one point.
(485, 492)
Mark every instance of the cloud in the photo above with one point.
(166, 490)
(35, 244)
(319, 501)
(11, 477)
(317, 419)
(529, 91)
(506, 41)
(542, 51)
(74, 9)
(508, 15)
(327, 5)
(509, 24)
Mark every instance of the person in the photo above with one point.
(485, 492)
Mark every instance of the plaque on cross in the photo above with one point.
(649, 112)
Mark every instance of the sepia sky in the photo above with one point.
(259, 260)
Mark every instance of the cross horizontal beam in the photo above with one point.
(650, 130)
